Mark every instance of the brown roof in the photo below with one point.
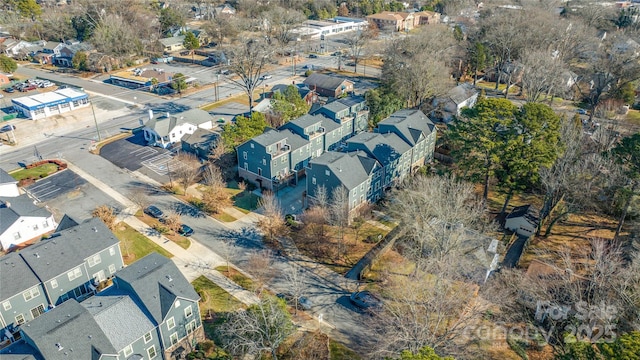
(161, 76)
(388, 15)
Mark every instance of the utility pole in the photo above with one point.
(95, 120)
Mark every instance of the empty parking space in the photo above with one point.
(55, 185)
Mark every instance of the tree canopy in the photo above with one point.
(244, 129)
(7, 64)
(426, 353)
(190, 41)
(289, 105)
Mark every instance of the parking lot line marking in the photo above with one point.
(39, 185)
(50, 192)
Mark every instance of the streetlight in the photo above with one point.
(95, 120)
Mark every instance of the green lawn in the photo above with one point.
(213, 297)
(246, 202)
(134, 245)
(236, 277)
(224, 217)
(35, 172)
(341, 352)
(634, 117)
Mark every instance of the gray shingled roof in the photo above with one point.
(201, 136)
(294, 140)
(323, 81)
(12, 208)
(344, 103)
(66, 223)
(462, 92)
(529, 212)
(307, 120)
(269, 137)
(157, 282)
(410, 123)
(71, 326)
(163, 125)
(16, 276)
(335, 106)
(384, 147)
(174, 40)
(352, 168)
(5, 178)
(20, 350)
(119, 318)
(52, 257)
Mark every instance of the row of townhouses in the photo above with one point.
(71, 297)
(332, 148)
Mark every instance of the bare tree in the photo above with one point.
(279, 23)
(247, 61)
(540, 74)
(106, 214)
(438, 213)
(339, 215)
(259, 329)
(187, 169)
(428, 310)
(215, 197)
(173, 222)
(295, 283)
(227, 249)
(581, 295)
(416, 67)
(356, 41)
(272, 222)
(139, 197)
(262, 268)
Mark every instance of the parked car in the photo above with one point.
(313, 56)
(303, 302)
(266, 76)
(28, 87)
(46, 84)
(225, 72)
(185, 230)
(9, 89)
(337, 53)
(365, 300)
(581, 111)
(6, 128)
(153, 211)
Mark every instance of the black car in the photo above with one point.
(6, 128)
(185, 230)
(365, 300)
(153, 211)
(303, 302)
(313, 56)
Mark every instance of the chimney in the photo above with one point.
(7, 204)
(150, 114)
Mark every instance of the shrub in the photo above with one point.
(163, 230)
(308, 73)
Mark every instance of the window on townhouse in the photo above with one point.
(45, 224)
(327, 172)
(171, 323)
(190, 327)
(16, 236)
(173, 338)
(128, 350)
(188, 311)
(176, 304)
(244, 155)
(313, 180)
(19, 319)
(95, 260)
(74, 274)
(112, 250)
(6, 305)
(246, 166)
(283, 160)
(147, 337)
(30, 294)
(54, 283)
(264, 161)
(35, 227)
(37, 311)
(112, 268)
(152, 352)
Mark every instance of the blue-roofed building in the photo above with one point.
(47, 104)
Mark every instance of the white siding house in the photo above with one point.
(21, 220)
(523, 220)
(165, 130)
(8, 185)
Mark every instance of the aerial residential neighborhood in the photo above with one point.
(362, 179)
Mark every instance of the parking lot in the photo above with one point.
(55, 185)
(134, 155)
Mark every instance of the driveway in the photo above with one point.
(133, 154)
(55, 185)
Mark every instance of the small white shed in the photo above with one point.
(523, 220)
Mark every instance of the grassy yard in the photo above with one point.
(243, 201)
(633, 117)
(213, 297)
(37, 172)
(182, 241)
(134, 245)
(236, 277)
(340, 352)
(224, 217)
(490, 85)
